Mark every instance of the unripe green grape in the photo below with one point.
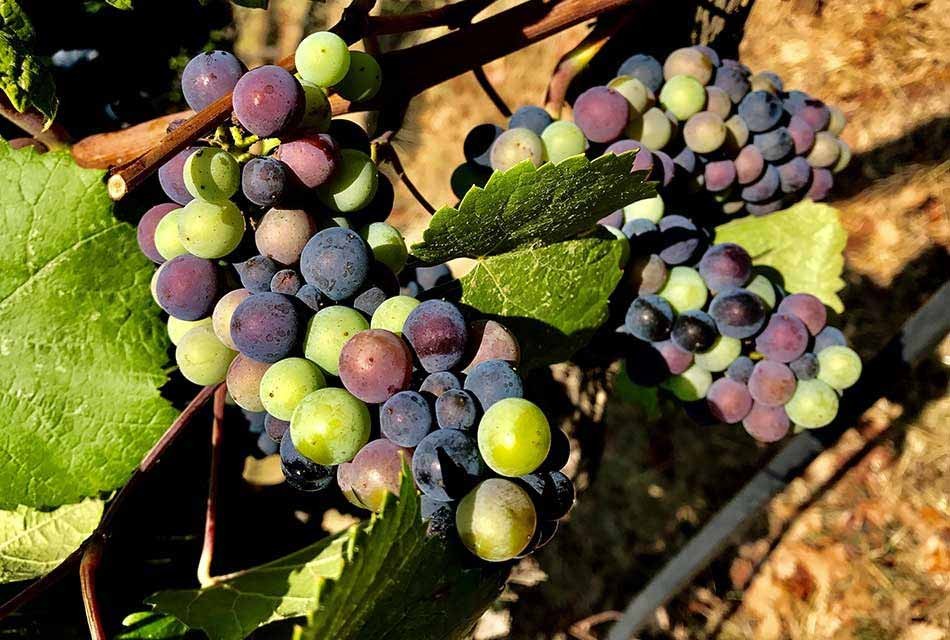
(329, 426)
(683, 96)
(154, 281)
(836, 120)
(202, 358)
(286, 383)
(363, 79)
(392, 313)
(653, 129)
(212, 174)
(322, 59)
(514, 437)
(763, 287)
(690, 385)
(167, 242)
(824, 152)
(737, 133)
(637, 94)
(514, 146)
(647, 209)
(723, 352)
(814, 404)
(496, 520)
(388, 245)
(839, 366)
(353, 185)
(844, 157)
(317, 113)
(178, 328)
(209, 230)
(328, 330)
(221, 315)
(684, 289)
(562, 139)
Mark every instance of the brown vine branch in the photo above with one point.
(91, 558)
(105, 525)
(383, 151)
(32, 122)
(103, 150)
(451, 15)
(211, 508)
(491, 92)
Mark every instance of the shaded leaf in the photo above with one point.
(25, 79)
(148, 625)
(14, 20)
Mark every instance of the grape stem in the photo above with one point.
(211, 509)
(101, 534)
(490, 91)
(34, 123)
(91, 558)
(382, 150)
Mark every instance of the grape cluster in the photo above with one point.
(717, 335)
(281, 279)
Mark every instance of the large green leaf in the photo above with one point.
(529, 207)
(33, 542)
(82, 348)
(14, 20)
(553, 298)
(803, 243)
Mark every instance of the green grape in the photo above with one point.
(763, 287)
(637, 94)
(723, 352)
(322, 59)
(202, 358)
(562, 139)
(353, 185)
(514, 437)
(152, 284)
(653, 129)
(684, 289)
(647, 209)
(329, 426)
(177, 328)
(683, 96)
(328, 330)
(690, 385)
(496, 520)
(392, 313)
(286, 383)
(363, 78)
(212, 174)
(388, 245)
(167, 242)
(209, 230)
(317, 113)
(839, 366)
(814, 404)
(221, 315)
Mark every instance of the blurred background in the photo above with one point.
(859, 546)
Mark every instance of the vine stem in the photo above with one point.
(34, 123)
(104, 528)
(211, 508)
(91, 558)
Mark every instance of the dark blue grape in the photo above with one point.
(478, 142)
(735, 83)
(456, 409)
(649, 318)
(644, 68)
(724, 266)
(741, 369)
(265, 446)
(805, 367)
(264, 181)
(794, 174)
(209, 76)
(310, 296)
(552, 493)
(775, 145)
(369, 299)
(301, 473)
(493, 380)
(275, 428)
(559, 453)
(405, 418)
(256, 273)
(336, 261)
(187, 287)
(829, 337)
(764, 188)
(439, 382)
(437, 332)
(431, 277)
(761, 111)
(794, 101)
(439, 516)
(695, 331)
(680, 239)
(265, 327)
(738, 313)
(530, 117)
(286, 281)
(446, 464)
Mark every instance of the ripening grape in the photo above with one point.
(803, 136)
(530, 117)
(652, 128)
(438, 334)
(828, 337)
(490, 340)
(446, 464)
(282, 234)
(725, 265)
(514, 437)
(814, 404)
(824, 153)
(514, 146)
(265, 327)
(375, 364)
(644, 68)
(492, 381)
(287, 282)
(738, 313)
(733, 82)
(336, 260)
(391, 314)
(821, 183)
(676, 358)
(328, 331)
(741, 369)
(784, 338)
(145, 232)
(322, 58)
(683, 96)
(643, 161)
(669, 169)
(311, 159)
(405, 418)
(300, 472)
(244, 382)
(704, 132)
(562, 139)
(264, 181)
(209, 76)
(694, 331)
(638, 95)
(439, 382)
(806, 308)
(353, 185)
(765, 423)
(171, 176)
(685, 290)
(721, 355)
(775, 145)
(794, 175)
(688, 61)
(166, 239)
(686, 162)
(650, 318)
(210, 230)
(719, 175)
(317, 113)
(692, 384)
(718, 102)
(839, 366)
(362, 80)
(771, 383)
(729, 400)
(815, 113)
(497, 520)
(187, 287)
(329, 426)
(177, 328)
(737, 133)
(552, 493)
(375, 472)
(221, 316)
(763, 188)
(286, 383)
(680, 238)
(201, 357)
(601, 113)
(212, 175)
(648, 274)
(456, 409)
(805, 367)
(267, 100)
(760, 110)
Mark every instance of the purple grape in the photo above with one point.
(767, 424)
(686, 161)
(439, 382)
(310, 296)
(209, 76)
(771, 383)
(677, 359)
(431, 277)
(286, 281)
(695, 331)
(145, 232)
(267, 100)
(802, 134)
(302, 473)
(829, 337)
(456, 409)
(649, 318)
(478, 142)
(446, 464)
(337, 261)
(171, 176)
(729, 400)
(775, 145)
(264, 181)
(805, 367)
(614, 219)
(265, 327)
(405, 418)
(530, 117)
(437, 332)
(274, 428)
(375, 364)
(784, 338)
(559, 453)
(644, 68)
(764, 208)
(738, 313)
(601, 113)
(256, 273)
(668, 168)
(806, 308)
(647, 274)
(741, 369)
(552, 493)
(493, 380)
(719, 175)
(815, 113)
(763, 188)
(725, 266)
(794, 101)
(731, 80)
(187, 287)
(643, 161)
(680, 239)
(311, 159)
(794, 174)
(821, 183)
(761, 111)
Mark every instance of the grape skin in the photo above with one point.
(794, 175)
(552, 493)
(827, 337)
(145, 231)
(704, 132)
(721, 355)
(438, 334)
(729, 400)
(353, 185)
(492, 381)
(286, 382)
(685, 290)
(212, 174)
(387, 244)
(805, 367)
(363, 78)
(267, 100)
(771, 383)
(738, 313)
(496, 521)
(256, 273)
(375, 364)
(177, 328)
(562, 139)
(839, 366)
(301, 473)
(312, 159)
(784, 339)
(691, 62)
(530, 117)
(766, 424)
(514, 437)
(439, 382)
(694, 331)
(329, 426)
(187, 287)
(514, 146)
(336, 261)
(824, 153)
(741, 369)
(167, 239)
(446, 464)
(282, 234)
(724, 266)
(806, 308)
(821, 183)
(683, 96)
(208, 76)
(274, 428)
(644, 68)
(719, 175)
(392, 313)
(490, 340)
(405, 418)
(264, 181)
(601, 113)
(802, 135)
(322, 58)
(287, 282)
(328, 331)
(265, 327)
(763, 188)
(649, 318)
(638, 95)
(760, 110)
(478, 143)
(201, 357)
(814, 404)
(317, 113)
(456, 409)
(676, 358)
(374, 473)
(244, 382)
(775, 145)
(690, 385)
(210, 230)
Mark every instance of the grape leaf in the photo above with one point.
(804, 243)
(528, 207)
(25, 79)
(121, 4)
(148, 625)
(33, 542)
(82, 348)
(14, 20)
(553, 298)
